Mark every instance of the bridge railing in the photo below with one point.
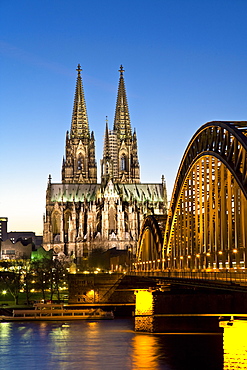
(238, 277)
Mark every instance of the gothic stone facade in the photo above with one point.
(82, 214)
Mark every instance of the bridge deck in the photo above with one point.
(233, 281)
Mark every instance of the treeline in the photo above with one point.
(47, 276)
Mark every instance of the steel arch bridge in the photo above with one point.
(206, 228)
(150, 245)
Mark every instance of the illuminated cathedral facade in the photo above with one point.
(83, 214)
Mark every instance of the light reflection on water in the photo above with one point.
(146, 351)
(107, 345)
(235, 345)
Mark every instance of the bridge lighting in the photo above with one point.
(158, 260)
(199, 187)
(189, 256)
(181, 257)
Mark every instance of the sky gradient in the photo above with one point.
(185, 65)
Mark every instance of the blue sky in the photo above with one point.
(185, 63)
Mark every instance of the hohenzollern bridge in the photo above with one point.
(206, 227)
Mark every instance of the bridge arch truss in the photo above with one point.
(207, 220)
(149, 251)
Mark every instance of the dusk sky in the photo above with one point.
(185, 64)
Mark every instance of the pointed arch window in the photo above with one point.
(112, 219)
(56, 225)
(123, 163)
(80, 162)
(67, 218)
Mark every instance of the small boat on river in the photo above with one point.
(51, 311)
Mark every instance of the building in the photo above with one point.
(15, 236)
(13, 251)
(25, 237)
(3, 228)
(82, 214)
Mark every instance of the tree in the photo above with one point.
(41, 275)
(50, 275)
(12, 278)
(59, 273)
(27, 277)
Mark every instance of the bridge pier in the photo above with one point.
(183, 309)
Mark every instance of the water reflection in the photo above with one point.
(235, 345)
(4, 331)
(146, 352)
(111, 345)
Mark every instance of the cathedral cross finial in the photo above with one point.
(121, 70)
(79, 69)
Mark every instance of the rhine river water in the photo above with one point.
(113, 345)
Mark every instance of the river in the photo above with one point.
(110, 345)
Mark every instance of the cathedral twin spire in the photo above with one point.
(120, 161)
(79, 164)
(79, 124)
(122, 118)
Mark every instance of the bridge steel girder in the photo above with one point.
(207, 220)
(149, 248)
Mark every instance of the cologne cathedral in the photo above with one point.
(83, 214)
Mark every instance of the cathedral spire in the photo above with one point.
(106, 150)
(122, 118)
(79, 124)
(79, 165)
